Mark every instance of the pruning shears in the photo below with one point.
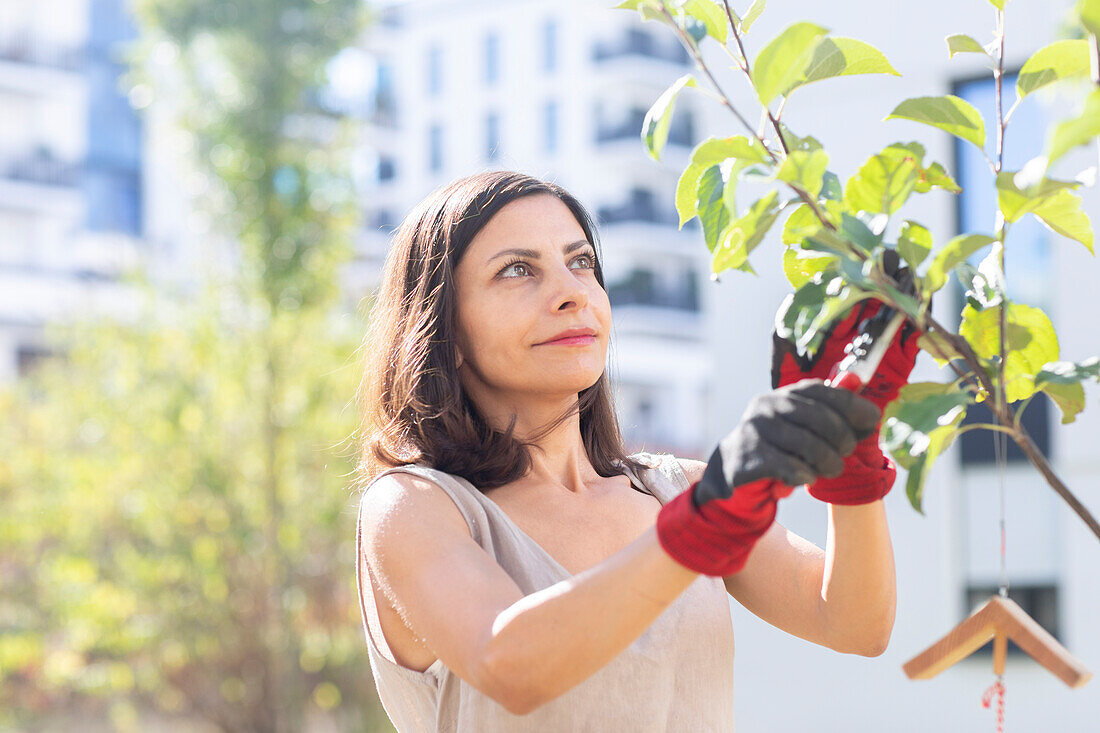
(865, 353)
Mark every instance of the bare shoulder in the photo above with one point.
(445, 587)
(400, 508)
(693, 468)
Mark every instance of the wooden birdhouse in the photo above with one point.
(999, 619)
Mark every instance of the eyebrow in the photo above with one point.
(533, 254)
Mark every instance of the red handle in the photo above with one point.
(846, 380)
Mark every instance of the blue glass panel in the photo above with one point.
(113, 167)
(1028, 267)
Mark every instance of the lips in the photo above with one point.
(570, 333)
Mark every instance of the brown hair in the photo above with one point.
(411, 400)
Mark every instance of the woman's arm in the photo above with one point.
(556, 638)
(522, 651)
(842, 598)
(859, 587)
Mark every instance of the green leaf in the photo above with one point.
(755, 10)
(1076, 131)
(999, 4)
(707, 153)
(1068, 372)
(919, 426)
(1063, 214)
(835, 57)
(934, 176)
(1017, 196)
(1030, 341)
(857, 232)
(1088, 12)
(800, 224)
(885, 181)
(805, 169)
(914, 243)
(687, 192)
(935, 344)
(711, 16)
(794, 142)
(1070, 399)
(1060, 60)
(804, 314)
(801, 266)
(781, 62)
(742, 236)
(979, 292)
(1062, 381)
(949, 113)
(954, 252)
(713, 214)
(659, 117)
(962, 43)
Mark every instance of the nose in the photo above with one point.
(569, 289)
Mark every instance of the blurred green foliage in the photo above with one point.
(177, 534)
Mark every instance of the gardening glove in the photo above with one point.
(785, 438)
(868, 473)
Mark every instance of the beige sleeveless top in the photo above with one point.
(676, 676)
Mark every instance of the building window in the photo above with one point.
(384, 220)
(1028, 262)
(29, 357)
(642, 286)
(435, 148)
(435, 70)
(492, 58)
(550, 46)
(385, 96)
(112, 180)
(387, 168)
(492, 136)
(550, 126)
(114, 200)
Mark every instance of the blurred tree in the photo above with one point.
(177, 532)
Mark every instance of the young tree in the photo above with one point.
(835, 236)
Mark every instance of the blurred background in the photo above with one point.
(196, 197)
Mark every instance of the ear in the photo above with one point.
(458, 358)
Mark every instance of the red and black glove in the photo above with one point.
(786, 437)
(868, 473)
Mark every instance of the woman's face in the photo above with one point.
(510, 303)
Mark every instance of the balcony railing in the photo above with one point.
(28, 48)
(640, 206)
(639, 43)
(40, 167)
(680, 132)
(641, 288)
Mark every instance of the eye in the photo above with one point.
(512, 264)
(588, 256)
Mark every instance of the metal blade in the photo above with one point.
(870, 346)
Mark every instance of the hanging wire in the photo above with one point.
(1000, 449)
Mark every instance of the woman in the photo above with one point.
(516, 570)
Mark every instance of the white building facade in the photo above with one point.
(71, 170)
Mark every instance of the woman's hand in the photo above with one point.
(786, 437)
(868, 473)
